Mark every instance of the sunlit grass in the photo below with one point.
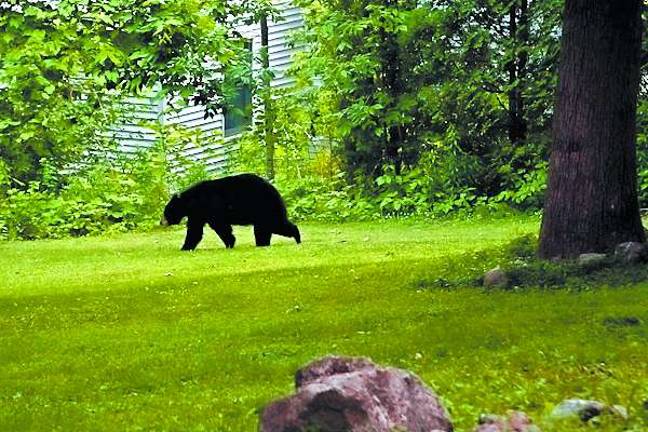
(129, 333)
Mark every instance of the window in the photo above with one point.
(239, 113)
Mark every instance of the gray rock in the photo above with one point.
(515, 422)
(588, 409)
(591, 259)
(619, 411)
(583, 409)
(496, 278)
(631, 252)
(355, 395)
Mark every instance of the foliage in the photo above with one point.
(106, 196)
(292, 136)
(527, 188)
(450, 80)
(109, 194)
(326, 199)
(401, 109)
(412, 194)
(175, 149)
(355, 55)
(64, 63)
(642, 150)
(413, 82)
(413, 120)
(415, 116)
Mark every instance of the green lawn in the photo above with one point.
(128, 333)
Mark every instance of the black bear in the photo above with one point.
(244, 199)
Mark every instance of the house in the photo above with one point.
(132, 136)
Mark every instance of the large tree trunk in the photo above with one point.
(591, 202)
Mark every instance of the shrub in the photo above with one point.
(326, 199)
(125, 193)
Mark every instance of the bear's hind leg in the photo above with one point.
(262, 236)
(224, 231)
(289, 229)
(194, 235)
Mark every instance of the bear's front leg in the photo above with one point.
(194, 235)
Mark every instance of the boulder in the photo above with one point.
(515, 422)
(631, 252)
(355, 395)
(591, 259)
(496, 278)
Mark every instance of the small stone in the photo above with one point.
(619, 411)
(583, 409)
(488, 419)
(490, 423)
(516, 421)
(496, 278)
(591, 259)
(631, 252)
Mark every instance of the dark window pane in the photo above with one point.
(239, 113)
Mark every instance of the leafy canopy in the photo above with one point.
(63, 62)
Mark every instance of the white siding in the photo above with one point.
(130, 133)
(213, 154)
(279, 34)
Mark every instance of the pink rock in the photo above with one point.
(355, 395)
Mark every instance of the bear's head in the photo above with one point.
(174, 211)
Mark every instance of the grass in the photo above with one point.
(127, 333)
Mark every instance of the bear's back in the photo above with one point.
(247, 199)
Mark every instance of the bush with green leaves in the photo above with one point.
(108, 196)
(110, 193)
(326, 199)
(642, 149)
(411, 194)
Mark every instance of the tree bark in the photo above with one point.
(591, 203)
(268, 117)
(519, 35)
(393, 84)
